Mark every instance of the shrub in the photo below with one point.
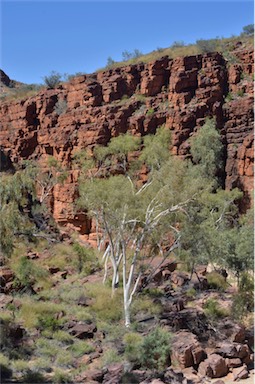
(27, 272)
(80, 348)
(48, 321)
(243, 301)
(150, 112)
(206, 46)
(52, 80)
(5, 371)
(216, 281)
(178, 44)
(229, 97)
(110, 62)
(155, 349)
(240, 92)
(60, 107)
(248, 29)
(213, 310)
(61, 377)
(133, 342)
(86, 260)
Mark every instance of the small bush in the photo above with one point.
(229, 97)
(240, 92)
(60, 107)
(216, 281)
(53, 80)
(80, 348)
(243, 301)
(213, 310)
(206, 46)
(150, 112)
(86, 260)
(155, 349)
(133, 342)
(61, 377)
(34, 377)
(47, 321)
(177, 44)
(5, 370)
(191, 293)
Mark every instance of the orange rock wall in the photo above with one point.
(179, 93)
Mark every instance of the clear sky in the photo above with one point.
(78, 36)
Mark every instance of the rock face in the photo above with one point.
(179, 93)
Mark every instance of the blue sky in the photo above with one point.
(78, 36)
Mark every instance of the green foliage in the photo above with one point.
(216, 281)
(243, 301)
(126, 55)
(213, 310)
(5, 370)
(150, 112)
(105, 307)
(110, 62)
(80, 348)
(47, 321)
(155, 349)
(87, 260)
(60, 107)
(15, 192)
(240, 93)
(52, 80)
(248, 29)
(61, 377)
(178, 44)
(156, 148)
(206, 46)
(207, 150)
(229, 97)
(27, 272)
(133, 343)
(33, 377)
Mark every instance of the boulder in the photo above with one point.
(240, 373)
(113, 374)
(234, 363)
(83, 330)
(214, 366)
(187, 350)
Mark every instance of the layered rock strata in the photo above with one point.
(91, 109)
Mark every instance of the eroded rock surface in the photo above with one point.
(179, 93)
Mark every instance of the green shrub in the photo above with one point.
(80, 348)
(206, 46)
(243, 301)
(61, 377)
(47, 321)
(213, 310)
(155, 349)
(133, 342)
(5, 370)
(60, 107)
(229, 97)
(191, 293)
(34, 377)
(178, 44)
(150, 112)
(52, 80)
(240, 92)
(216, 281)
(248, 29)
(86, 260)
(27, 272)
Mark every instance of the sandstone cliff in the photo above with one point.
(179, 93)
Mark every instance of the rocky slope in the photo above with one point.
(90, 109)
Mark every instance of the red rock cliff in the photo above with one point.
(179, 93)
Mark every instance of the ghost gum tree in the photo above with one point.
(180, 206)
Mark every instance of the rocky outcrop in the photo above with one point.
(179, 93)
